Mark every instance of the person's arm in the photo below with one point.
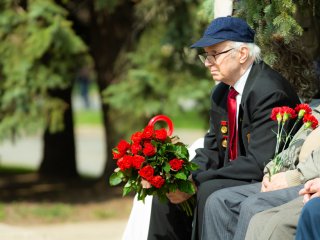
(310, 169)
(261, 146)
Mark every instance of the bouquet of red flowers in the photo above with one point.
(154, 156)
(282, 115)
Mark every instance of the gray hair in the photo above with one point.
(254, 50)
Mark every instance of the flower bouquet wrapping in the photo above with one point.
(283, 115)
(156, 157)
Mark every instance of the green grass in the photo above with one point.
(2, 212)
(87, 117)
(49, 213)
(36, 212)
(15, 169)
(104, 214)
(189, 120)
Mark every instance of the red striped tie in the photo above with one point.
(232, 113)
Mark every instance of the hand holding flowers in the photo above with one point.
(283, 115)
(153, 163)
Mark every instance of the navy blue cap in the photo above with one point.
(224, 29)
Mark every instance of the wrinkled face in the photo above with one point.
(224, 65)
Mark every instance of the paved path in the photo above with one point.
(100, 230)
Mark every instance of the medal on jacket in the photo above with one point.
(224, 127)
(224, 141)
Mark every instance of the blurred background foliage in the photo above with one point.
(162, 74)
(139, 53)
(39, 51)
(288, 33)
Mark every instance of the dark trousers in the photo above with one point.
(309, 221)
(169, 222)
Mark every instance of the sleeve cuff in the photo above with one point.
(293, 177)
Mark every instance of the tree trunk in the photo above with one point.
(59, 148)
(110, 34)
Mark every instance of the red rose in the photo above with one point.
(137, 160)
(117, 155)
(161, 134)
(136, 148)
(310, 120)
(148, 132)
(176, 164)
(276, 114)
(302, 109)
(157, 181)
(123, 146)
(149, 150)
(146, 172)
(125, 162)
(136, 137)
(288, 113)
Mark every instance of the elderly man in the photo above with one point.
(240, 141)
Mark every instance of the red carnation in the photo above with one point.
(146, 172)
(149, 150)
(148, 132)
(125, 162)
(310, 120)
(123, 146)
(117, 155)
(136, 137)
(288, 113)
(176, 164)
(136, 148)
(137, 160)
(161, 134)
(157, 181)
(302, 109)
(276, 114)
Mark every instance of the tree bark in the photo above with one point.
(59, 148)
(110, 34)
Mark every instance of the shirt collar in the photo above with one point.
(239, 85)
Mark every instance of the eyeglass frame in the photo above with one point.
(204, 56)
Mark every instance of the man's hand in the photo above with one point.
(278, 181)
(145, 184)
(311, 190)
(178, 196)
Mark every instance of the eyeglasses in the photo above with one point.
(211, 57)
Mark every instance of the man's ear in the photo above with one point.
(244, 54)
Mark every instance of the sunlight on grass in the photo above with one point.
(103, 214)
(46, 213)
(87, 117)
(53, 212)
(2, 212)
(15, 169)
(188, 120)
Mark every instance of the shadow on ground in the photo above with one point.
(32, 186)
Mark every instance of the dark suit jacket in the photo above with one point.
(264, 90)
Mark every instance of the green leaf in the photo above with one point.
(116, 178)
(182, 152)
(167, 167)
(187, 187)
(193, 166)
(181, 175)
(126, 191)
